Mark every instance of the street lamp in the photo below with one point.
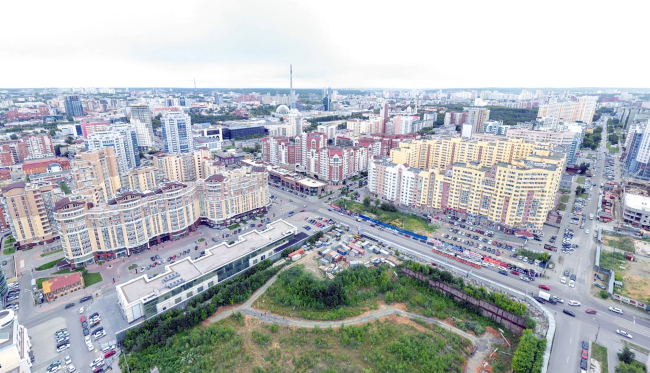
(598, 330)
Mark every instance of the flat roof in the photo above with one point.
(637, 202)
(311, 182)
(215, 257)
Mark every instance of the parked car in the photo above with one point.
(86, 298)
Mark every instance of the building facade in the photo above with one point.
(73, 106)
(29, 209)
(636, 210)
(141, 120)
(16, 354)
(97, 169)
(580, 110)
(177, 132)
(123, 139)
(39, 146)
(62, 285)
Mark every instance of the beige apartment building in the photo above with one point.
(142, 178)
(29, 209)
(176, 167)
(96, 175)
(135, 221)
(441, 152)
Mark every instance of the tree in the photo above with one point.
(627, 355)
(579, 190)
(69, 140)
(13, 136)
(584, 167)
(377, 202)
(366, 201)
(52, 132)
(635, 367)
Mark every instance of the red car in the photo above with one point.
(545, 287)
(584, 354)
(109, 354)
(515, 273)
(590, 310)
(302, 210)
(83, 318)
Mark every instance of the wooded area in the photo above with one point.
(511, 117)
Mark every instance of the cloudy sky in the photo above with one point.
(342, 44)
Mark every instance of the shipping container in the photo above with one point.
(384, 252)
(297, 252)
(296, 257)
(324, 261)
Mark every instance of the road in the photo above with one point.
(570, 331)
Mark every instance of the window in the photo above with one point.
(177, 300)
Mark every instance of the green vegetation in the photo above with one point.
(64, 188)
(634, 346)
(623, 243)
(91, 278)
(543, 257)
(299, 293)
(133, 266)
(612, 149)
(155, 332)
(612, 260)
(599, 353)
(565, 198)
(634, 367)
(561, 207)
(39, 282)
(201, 239)
(389, 214)
(511, 117)
(580, 180)
(529, 355)
(48, 265)
(227, 346)
(592, 140)
(234, 226)
(51, 252)
(9, 245)
(9, 251)
(603, 294)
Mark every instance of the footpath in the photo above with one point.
(481, 345)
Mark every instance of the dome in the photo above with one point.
(409, 110)
(282, 109)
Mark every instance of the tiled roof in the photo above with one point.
(60, 282)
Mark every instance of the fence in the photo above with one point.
(478, 280)
(509, 321)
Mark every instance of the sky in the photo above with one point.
(340, 44)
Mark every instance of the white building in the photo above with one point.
(328, 129)
(141, 120)
(123, 139)
(177, 132)
(15, 345)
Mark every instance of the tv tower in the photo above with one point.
(291, 103)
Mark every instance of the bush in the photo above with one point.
(529, 355)
(604, 294)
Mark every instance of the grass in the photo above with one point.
(565, 198)
(39, 282)
(92, 278)
(580, 180)
(238, 345)
(612, 260)
(561, 207)
(48, 265)
(634, 346)
(51, 252)
(409, 222)
(612, 150)
(623, 243)
(201, 239)
(133, 266)
(599, 353)
(64, 188)
(9, 251)
(234, 226)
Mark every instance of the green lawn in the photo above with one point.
(565, 198)
(580, 180)
(9, 251)
(612, 150)
(599, 353)
(39, 282)
(409, 222)
(561, 207)
(201, 239)
(234, 226)
(51, 252)
(133, 266)
(48, 265)
(92, 278)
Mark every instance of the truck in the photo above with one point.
(546, 296)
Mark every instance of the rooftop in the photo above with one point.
(637, 202)
(215, 257)
(60, 282)
(6, 328)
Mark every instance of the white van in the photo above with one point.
(591, 216)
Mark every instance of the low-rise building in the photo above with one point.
(636, 210)
(188, 277)
(62, 285)
(38, 166)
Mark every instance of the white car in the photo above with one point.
(71, 368)
(67, 360)
(63, 347)
(97, 361)
(87, 339)
(617, 310)
(563, 280)
(81, 310)
(572, 284)
(624, 333)
(90, 346)
(574, 303)
(587, 231)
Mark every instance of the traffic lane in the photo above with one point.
(567, 344)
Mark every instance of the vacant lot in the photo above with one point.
(409, 222)
(240, 344)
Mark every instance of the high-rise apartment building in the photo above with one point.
(29, 208)
(135, 220)
(39, 146)
(73, 106)
(141, 120)
(476, 117)
(637, 155)
(581, 110)
(176, 167)
(97, 171)
(16, 354)
(177, 132)
(123, 139)
(143, 178)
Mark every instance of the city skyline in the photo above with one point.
(343, 45)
